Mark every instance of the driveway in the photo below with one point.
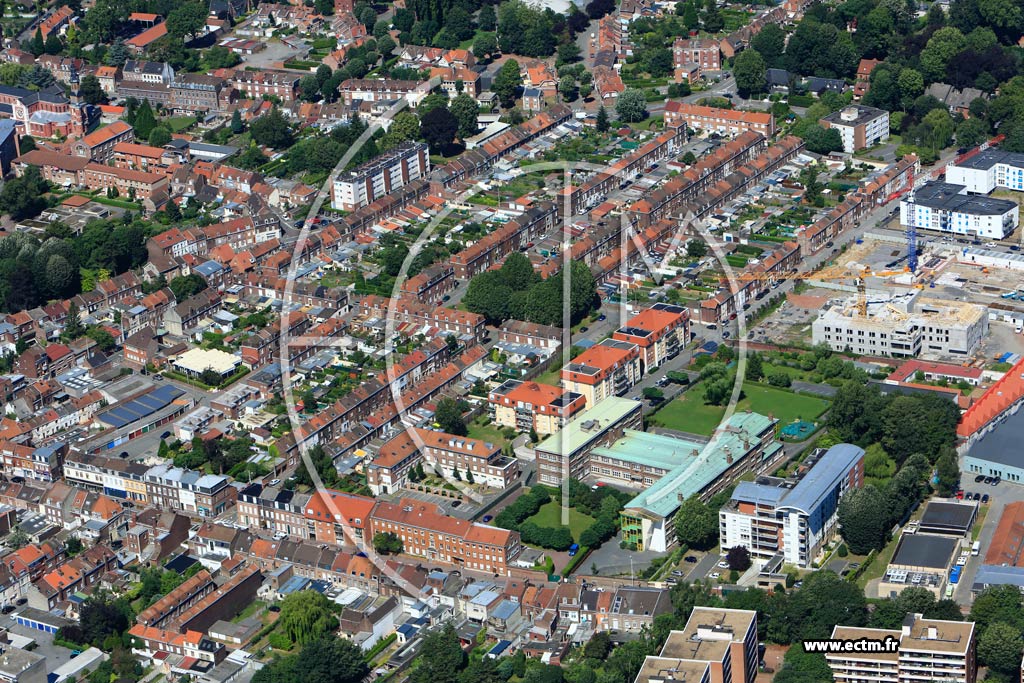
(999, 496)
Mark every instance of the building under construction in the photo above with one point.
(906, 325)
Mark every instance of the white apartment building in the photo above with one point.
(859, 126)
(925, 650)
(794, 517)
(907, 326)
(946, 207)
(380, 176)
(717, 645)
(988, 170)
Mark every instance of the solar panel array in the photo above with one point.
(126, 413)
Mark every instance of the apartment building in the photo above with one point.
(199, 94)
(859, 126)
(903, 326)
(947, 207)
(717, 645)
(988, 170)
(322, 516)
(377, 89)
(454, 456)
(659, 332)
(128, 183)
(259, 84)
(793, 516)
(923, 650)
(380, 176)
(704, 54)
(427, 532)
(729, 122)
(609, 368)
(450, 456)
(526, 406)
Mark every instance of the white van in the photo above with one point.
(976, 548)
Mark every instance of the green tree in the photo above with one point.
(272, 130)
(37, 46)
(487, 20)
(145, 120)
(738, 558)
(998, 604)
(750, 71)
(712, 20)
(24, 197)
(160, 136)
(864, 520)
(237, 127)
(567, 87)
(405, 126)
(440, 659)
(941, 48)
(438, 127)
(631, 106)
(90, 90)
(507, 82)
(770, 43)
(466, 111)
(306, 616)
(186, 19)
(53, 46)
(972, 132)
(485, 45)
(387, 543)
(602, 120)
(1000, 647)
(73, 328)
(755, 368)
(696, 524)
(449, 416)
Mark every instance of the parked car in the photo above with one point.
(715, 575)
(980, 478)
(573, 549)
(984, 498)
(995, 482)
(456, 503)
(487, 518)
(676, 572)
(690, 558)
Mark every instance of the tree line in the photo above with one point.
(516, 291)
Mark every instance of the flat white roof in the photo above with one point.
(199, 360)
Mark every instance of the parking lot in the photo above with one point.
(453, 507)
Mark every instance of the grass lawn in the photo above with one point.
(486, 432)
(180, 123)
(550, 516)
(784, 405)
(689, 413)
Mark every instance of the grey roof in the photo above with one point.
(994, 575)
(950, 197)
(942, 517)
(925, 550)
(823, 477)
(779, 77)
(864, 114)
(990, 157)
(1002, 444)
(765, 494)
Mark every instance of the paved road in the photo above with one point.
(999, 497)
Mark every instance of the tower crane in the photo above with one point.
(857, 272)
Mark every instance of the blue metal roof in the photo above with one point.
(823, 477)
(759, 493)
(136, 409)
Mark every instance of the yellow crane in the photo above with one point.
(857, 272)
